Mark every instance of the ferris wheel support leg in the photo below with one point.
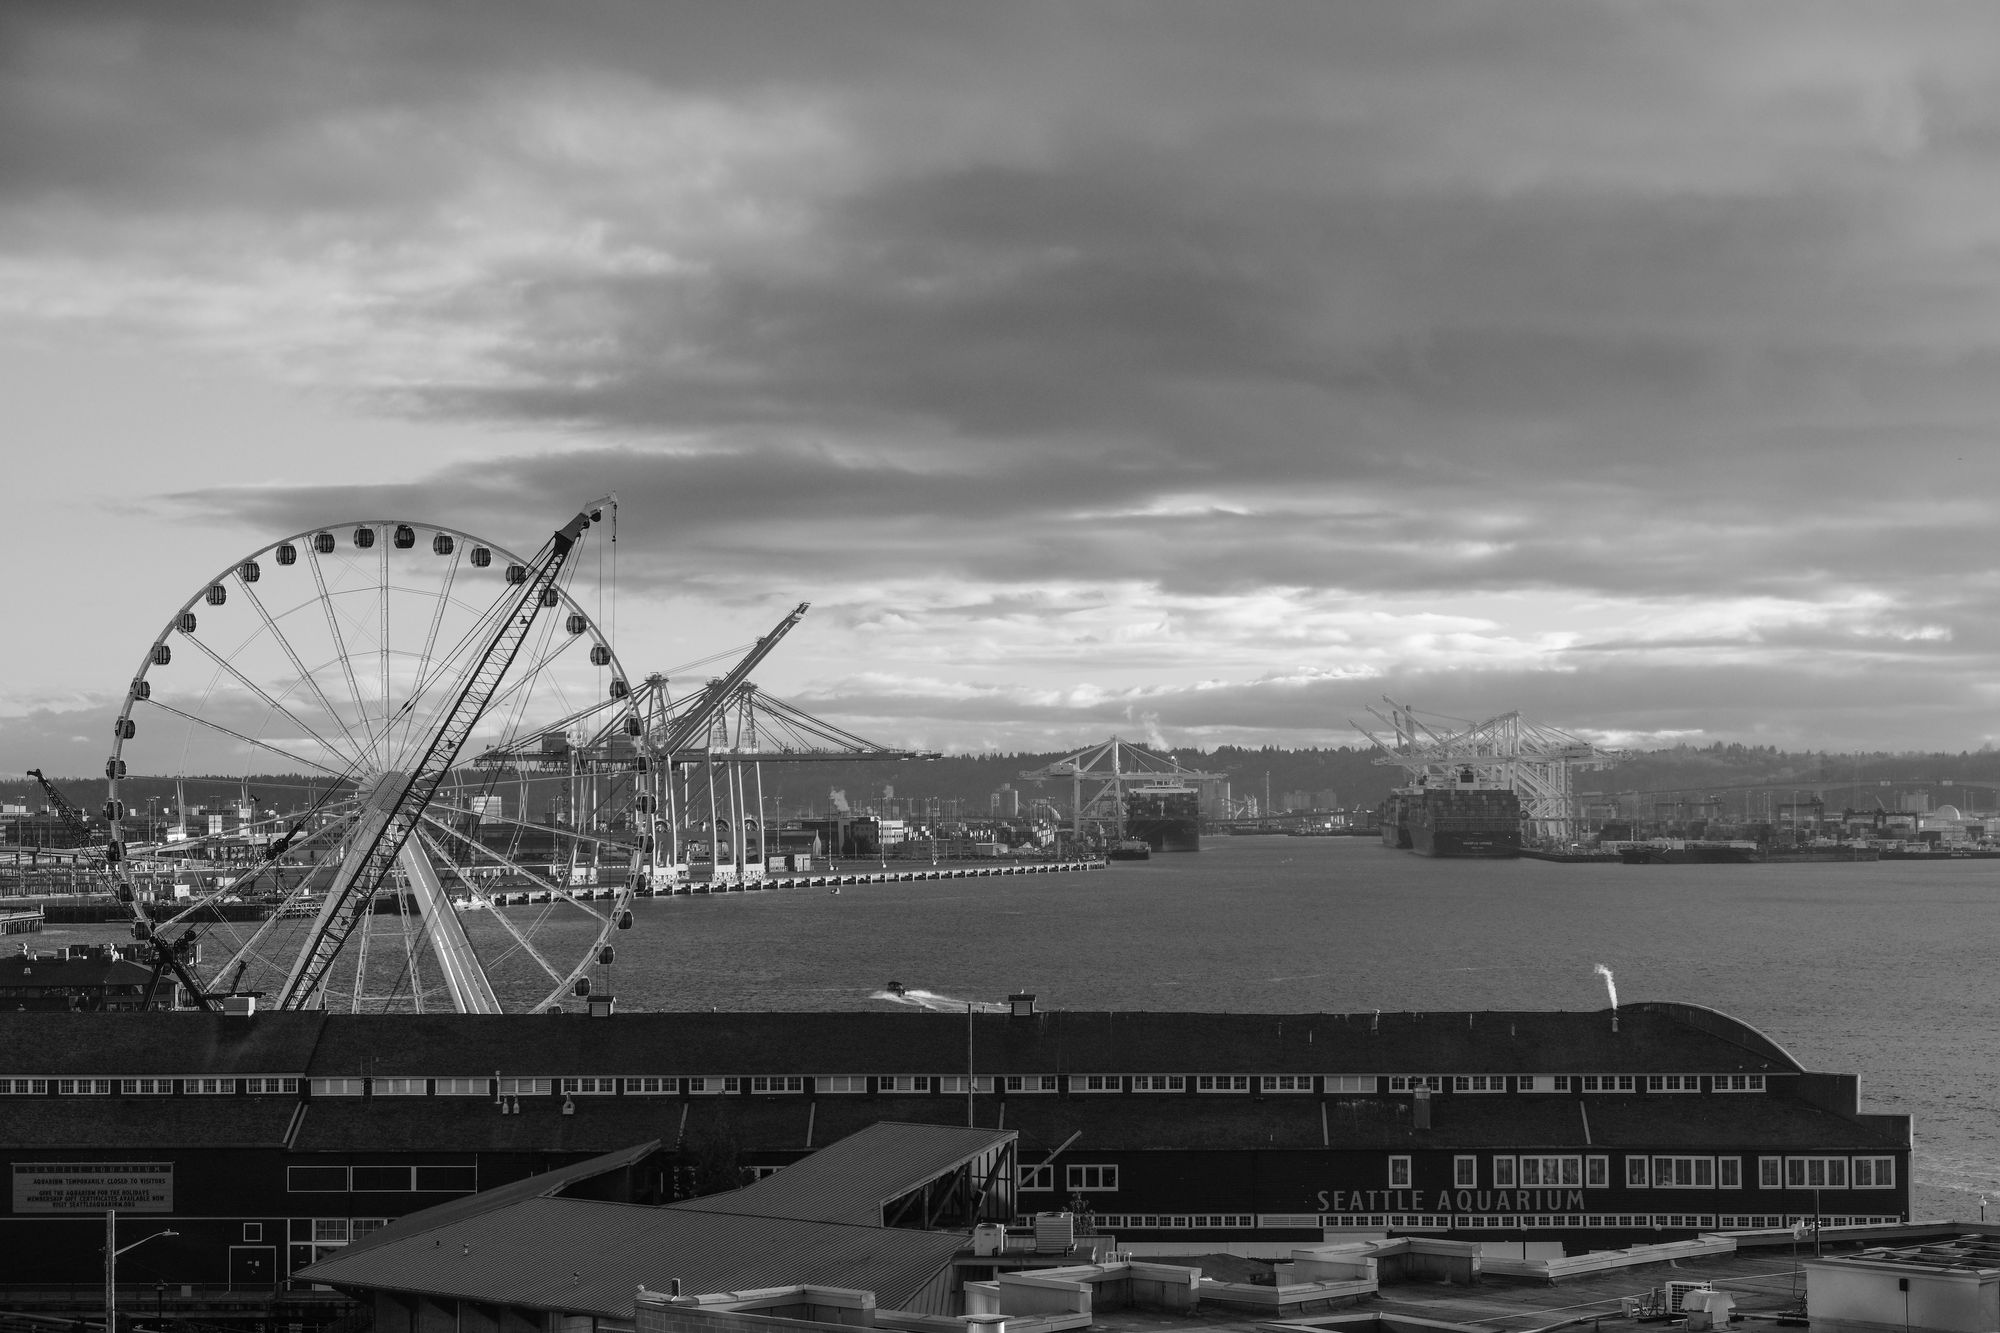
(471, 992)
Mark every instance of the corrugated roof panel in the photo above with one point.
(582, 1257)
(850, 1180)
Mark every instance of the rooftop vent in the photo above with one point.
(1021, 1004)
(243, 1006)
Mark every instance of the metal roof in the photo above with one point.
(579, 1257)
(852, 1180)
(157, 1043)
(547, 1185)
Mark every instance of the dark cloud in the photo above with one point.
(1653, 307)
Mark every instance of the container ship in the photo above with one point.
(1460, 817)
(1165, 818)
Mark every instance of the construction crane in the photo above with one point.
(66, 810)
(1115, 772)
(1505, 751)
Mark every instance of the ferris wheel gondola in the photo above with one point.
(402, 692)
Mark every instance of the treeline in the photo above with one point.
(1349, 771)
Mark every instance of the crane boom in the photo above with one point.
(73, 818)
(391, 805)
(720, 690)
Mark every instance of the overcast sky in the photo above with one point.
(1204, 371)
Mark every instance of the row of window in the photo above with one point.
(145, 1087)
(1463, 1221)
(1574, 1082)
(1078, 1177)
(913, 1083)
(1663, 1172)
(381, 1179)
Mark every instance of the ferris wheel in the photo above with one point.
(420, 775)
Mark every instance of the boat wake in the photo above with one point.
(944, 1004)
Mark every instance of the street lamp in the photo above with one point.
(111, 1252)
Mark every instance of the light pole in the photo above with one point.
(111, 1252)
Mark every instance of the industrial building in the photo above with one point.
(269, 1140)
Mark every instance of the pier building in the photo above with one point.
(269, 1140)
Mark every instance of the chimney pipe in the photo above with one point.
(1420, 1109)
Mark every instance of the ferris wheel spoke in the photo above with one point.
(209, 900)
(555, 891)
(441, 601)
(291, 653)
(287, 755)
(340, 650)
(521, 941)
(230, 668)
(382, 638)
(490, 818)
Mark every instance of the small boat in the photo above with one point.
(1130, 849)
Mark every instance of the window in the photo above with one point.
(1350, 1083)
(1562, 1082)
(85, 1087)
(463, 1087)
(1411, 1082)
(1399, 1173)
(1874, 1173)
(1035, 1177)
(330, 1230)
(1635, 1173)
(24, 1087)
(336, 1087)
(1729, 1172)
(316, 1179)
(1223, 1083)
(1096, 1083)
(841, 1083)
(381, 1179)
(402, 1087)
(524, 1087)
(1503, 1173)
(956, 1083)
(903, 1083)
(447, 1179)
(1816, 1173)
(1673, 1083)
(1770, 1173)
(366, 1226)
(1607, 1082)
(1031, 1083)
(261, 1087)
(1288, 1083)
(146, 1087)
(1479, 1083)
(253, 1232)
(778, 1083)
(590, 1085)
(652, 1085)
(1683, 1173)
(1739, 1083)
(1465, 1172)
(1159, 1083)
(1596, 1173)
(1551, 1171)
(1090, 1177)
(701, 1086)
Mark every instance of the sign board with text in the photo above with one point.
(93, 1187)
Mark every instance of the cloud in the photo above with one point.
(1538, 348)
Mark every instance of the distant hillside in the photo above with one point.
(1966, 779)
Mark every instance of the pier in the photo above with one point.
(834, 879)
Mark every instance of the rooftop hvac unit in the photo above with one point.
(989, 1238)
(1677, 1294)
(1055, 1233)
